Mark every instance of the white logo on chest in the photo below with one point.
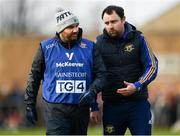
(69, 55)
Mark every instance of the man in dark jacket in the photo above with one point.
(131, 66)
(68, 66)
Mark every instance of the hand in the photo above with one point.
(128, 90)
(87, 98)
(31, 114)
(95, 116)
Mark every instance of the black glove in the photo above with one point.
(31, 114)
(87, 98)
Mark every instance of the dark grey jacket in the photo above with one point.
(38, 68)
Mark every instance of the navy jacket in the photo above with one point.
(128, 58)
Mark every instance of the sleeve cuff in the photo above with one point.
(94, 107)
(138, 86)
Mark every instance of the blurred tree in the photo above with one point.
(14, 17)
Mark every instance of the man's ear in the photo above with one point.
(123, 19)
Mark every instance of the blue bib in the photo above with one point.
(68, 72)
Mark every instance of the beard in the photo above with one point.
(113, 33)
(72, 37)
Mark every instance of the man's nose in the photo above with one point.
(110, 26)
(75, 29)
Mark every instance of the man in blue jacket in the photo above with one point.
(131, 66)
(68, 66)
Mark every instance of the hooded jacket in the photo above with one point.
(127, 58)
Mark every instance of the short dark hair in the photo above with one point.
(109, 10)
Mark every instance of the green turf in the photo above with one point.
(91, 131)
(156, 131)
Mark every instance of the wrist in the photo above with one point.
(138, 86)
(94, 107)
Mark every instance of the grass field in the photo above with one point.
(91, 131)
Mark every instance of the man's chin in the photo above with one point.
(113, 35)
(74, 37)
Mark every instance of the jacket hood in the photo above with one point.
(128, 28)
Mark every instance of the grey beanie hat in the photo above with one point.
(64, 19)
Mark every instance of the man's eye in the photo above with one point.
(113, 21)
